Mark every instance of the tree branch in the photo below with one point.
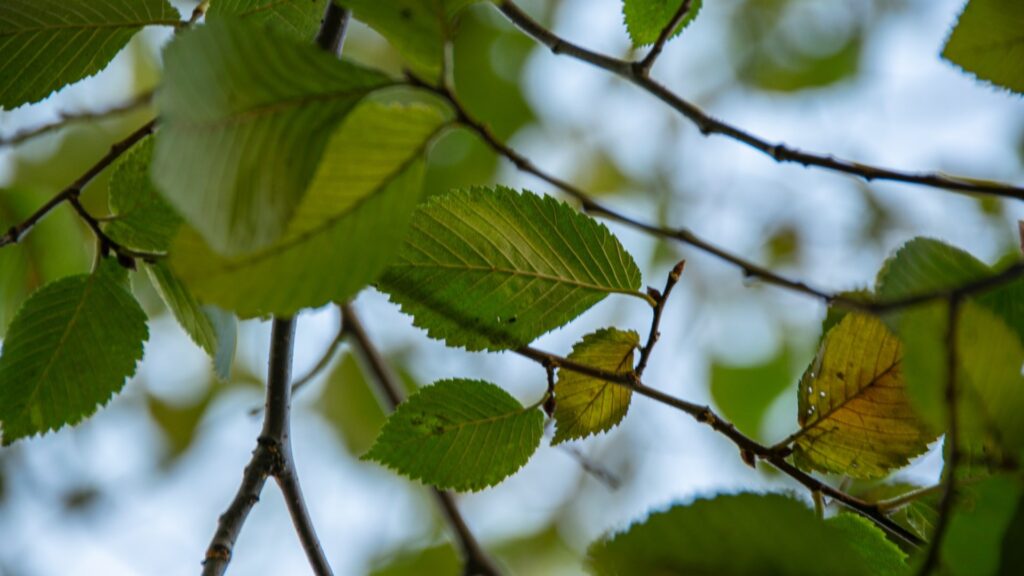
(710, 125)
(475, 558)
(750, 269)
(69, 118)
(750, 449)
(659, 308)
(643, 67)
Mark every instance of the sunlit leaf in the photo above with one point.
(142, 219)
(69, 349)
(854, 414)
(988, 41)
(246, 115)
(299, 19)
(645, 19)
(418, 29)
(48, 44)
(460, 435)
(738, 534)
(347, 229)
(586, 405)
(493, 269)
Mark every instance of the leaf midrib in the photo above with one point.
(826, 415)
(93, 26)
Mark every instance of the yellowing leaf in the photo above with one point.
(586, 405)
(854, 413)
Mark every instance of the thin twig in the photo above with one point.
(662, 298)
(477, 562)
(69, 118)
(324, 362)
(709, 125)
(643, 67)
(890, 504)
(750, 449)
(749, 269)
(949, 483)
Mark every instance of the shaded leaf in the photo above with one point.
(493, 269)
(460, 435)
(142, 219)
(48, 44)
(225, 327)
(876, 551)
(744, 393)
(587, 405)
(854, 414)
(69, 349)
(347, 229)
(988, 41)
(178, 423)
(974, 541)
(645, 19)
(418, 29)
(733, 534)
(350, 406)
(299, 19)
(245, 117)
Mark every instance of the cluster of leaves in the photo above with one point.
(281, 179)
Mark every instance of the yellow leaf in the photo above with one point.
(854, 413)
(586, 405)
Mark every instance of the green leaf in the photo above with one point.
(142, 219)
(876, 551)
(298, 19)
(586, 405)
(347, 229)
(990, 352)
(178, 422)
(53, 250)
(744, 393)
(493, 269)
(70, 348)
(974, 540)
(988, 41)
(645, 19)
(733, 534)
(459, 435)
(350, 406)
(854, 413)
(418, 29)
(48, 44)
(198, 321)
(245, 117)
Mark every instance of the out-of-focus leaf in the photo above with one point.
(440, 560)
(347, 229)
(178, 422)
(854, 413)
(1012, 561)
(299, 19)
(68, 351)
(459, 434)
(744, 393)
(417, 29)
(645, 19)
(246, 115)
(48, 44)
(586, 405)
(142, 219)
(493, 269)
(51, 251)
(734, 534)
(351, 407)
(225, 328)
(974, 541)
(988, 41)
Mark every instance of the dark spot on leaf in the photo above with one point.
(841, 376)
(405, 14)
(512, 320)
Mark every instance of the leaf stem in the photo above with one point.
(643, 67)
(659, 308)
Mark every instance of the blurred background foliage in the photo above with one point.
(860, 79)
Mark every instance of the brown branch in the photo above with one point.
(476, 560)
(69, 118)
(709, 125)
(659, 308)
(682, 235)
(271, 458)
(949, 483)
(643, 67)
(750, 449)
